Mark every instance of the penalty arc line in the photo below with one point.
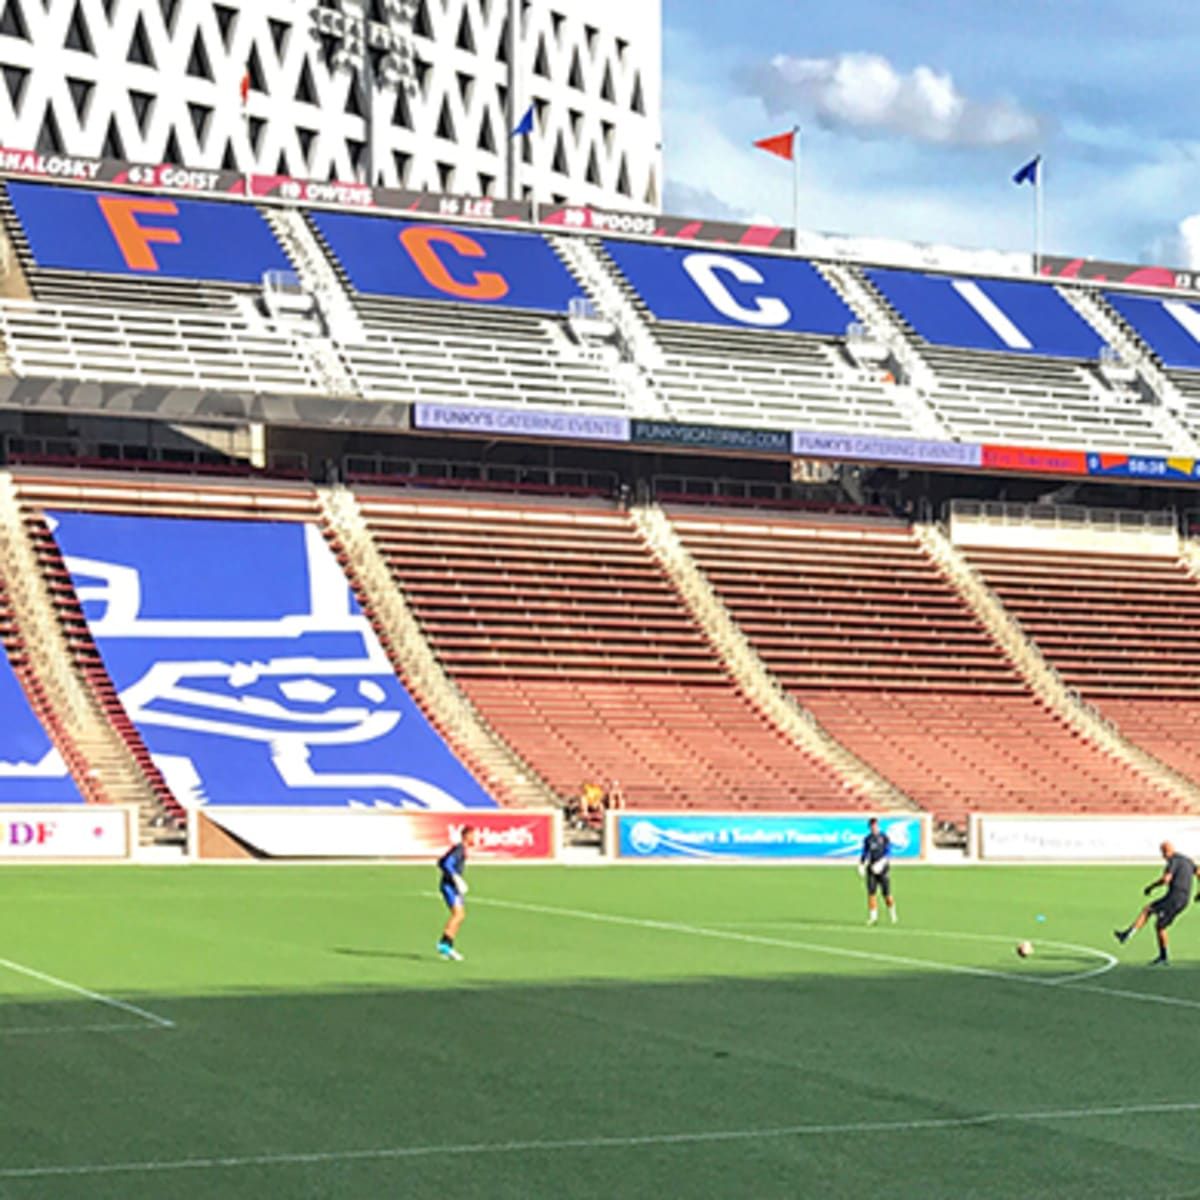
(98, 997)
(1108, 961)
(817, 947)
(463, 1149)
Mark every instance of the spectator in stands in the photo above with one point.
(591, 804)
(614, 798)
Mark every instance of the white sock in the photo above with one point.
(892, 911)
(873, 916)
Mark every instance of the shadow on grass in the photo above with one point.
(717, 1085)
(405, 955)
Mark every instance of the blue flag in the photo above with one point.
(1029, 172)
(525, 124)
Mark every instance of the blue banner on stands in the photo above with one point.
(745, 291)
(31, 769)
(1168, 325)
(248, 668)
(716, 837)
(423, 260)
(159, 237)
(1007, 315)
(864, 447)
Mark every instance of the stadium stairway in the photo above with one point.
(994, 611)
(748, 669)
(64, 676)
(554, 618)
(640, 353)
(911, 368)
(864, 630)
(316, 273)
(508, 778)
(1162, 397)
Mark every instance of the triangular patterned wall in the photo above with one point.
(159, 81)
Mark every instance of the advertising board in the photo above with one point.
(1001, 838)
(77, 831)
(757, 837)
(525, 835)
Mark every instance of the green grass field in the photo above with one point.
(654, 1032)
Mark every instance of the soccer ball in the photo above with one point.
(1024, 949)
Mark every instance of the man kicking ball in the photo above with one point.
(1177, 879)
(873, 864)
(453, 887)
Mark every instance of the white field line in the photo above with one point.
(98, 997)
(812, 947)
(1107, 961)
(58, 1030)
(464, 1149)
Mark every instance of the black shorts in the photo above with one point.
(1167, 908)
(881, 883)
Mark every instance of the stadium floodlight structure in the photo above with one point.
(377, 54)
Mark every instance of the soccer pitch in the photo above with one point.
(624, 1032)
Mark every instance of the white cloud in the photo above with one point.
(864, 94)
(1187, 245)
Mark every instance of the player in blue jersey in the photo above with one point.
(453, 887)
(874, 865)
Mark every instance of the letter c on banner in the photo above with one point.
(706, 271)
(133, 240)
(420, 241)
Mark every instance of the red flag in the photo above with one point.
(245, 87)
(783, 144)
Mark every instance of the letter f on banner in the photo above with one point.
(133, 239)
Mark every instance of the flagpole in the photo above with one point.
(1038, 215)
(249, 150)
(795, 188)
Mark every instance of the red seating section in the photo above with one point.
(1120, 628)
(572, 643)
(861, 628)
(90, 665)
(18, 657)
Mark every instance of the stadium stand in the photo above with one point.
(180, 324)
(33, 769)
(558, 625)
(235, 649)
(1119, 626)
(863, 631)
(1013, 362)
(1169, 330)
(710, 368)
(418, 344)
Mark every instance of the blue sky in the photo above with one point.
(915, 113)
